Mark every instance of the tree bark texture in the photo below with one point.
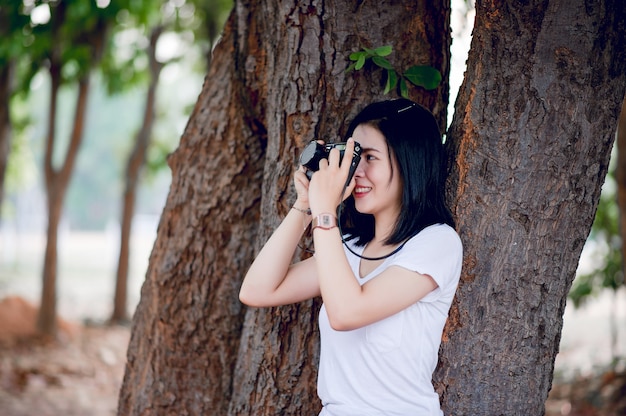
(531, 140)
(276, 82)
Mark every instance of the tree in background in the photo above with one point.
(210, 16)
(133, 168)
(75, 42)
(202, 24)
(12, 44)
(121, 66)
(67, 45)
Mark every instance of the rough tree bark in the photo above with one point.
(531, 137)
(134, 164)
(277, 81)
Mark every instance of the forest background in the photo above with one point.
(89, 238)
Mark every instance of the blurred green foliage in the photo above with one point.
(604, 245)
(115, 108)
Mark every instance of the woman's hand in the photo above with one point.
(326, 189)
(301, 183)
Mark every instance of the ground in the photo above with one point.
(80, 373)
(77, 375)
(597, 395)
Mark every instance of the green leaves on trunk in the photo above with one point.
(423, 76)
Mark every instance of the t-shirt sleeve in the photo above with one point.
(436, 251)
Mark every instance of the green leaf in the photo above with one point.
(392, 80)
(404, 89)
(423, 76)
(360, 62)
(351, 67)
(383, 50)
(382, 62)
(354, 56)
(369, 52)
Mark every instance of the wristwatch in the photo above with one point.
(324, 221)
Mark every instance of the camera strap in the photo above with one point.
(345, 241)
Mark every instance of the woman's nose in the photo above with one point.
(359, 169)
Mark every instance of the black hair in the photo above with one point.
(414, 140)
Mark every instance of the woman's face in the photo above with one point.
(377, 190)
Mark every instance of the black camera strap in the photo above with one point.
(345, 240)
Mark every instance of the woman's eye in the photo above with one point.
(369, 157)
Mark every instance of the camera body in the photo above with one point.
(314, 152)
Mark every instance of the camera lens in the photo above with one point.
(311, 155)
(307, 154)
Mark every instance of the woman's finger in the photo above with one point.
(324, 163)
(333, 157)
(347, 156)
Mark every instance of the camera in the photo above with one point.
(314, 152)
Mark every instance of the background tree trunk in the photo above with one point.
(57, 178)
(133, 169)
(531, 137)
(57, 181)
(277, 81)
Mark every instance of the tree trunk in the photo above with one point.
(133, 168)
(6, 72)
(531, 137)
(277, 81)
(58, 178)
(57, 181)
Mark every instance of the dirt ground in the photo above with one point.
(78, 375)
(81, 373)
(598, 395)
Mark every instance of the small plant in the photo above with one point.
(423, 76)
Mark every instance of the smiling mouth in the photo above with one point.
(361, 190)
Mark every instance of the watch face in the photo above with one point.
(326, 220)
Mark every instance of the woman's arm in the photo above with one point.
(350, 305)
(272, 280)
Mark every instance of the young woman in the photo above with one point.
(387, 271)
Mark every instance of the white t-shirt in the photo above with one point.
(386, 368)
